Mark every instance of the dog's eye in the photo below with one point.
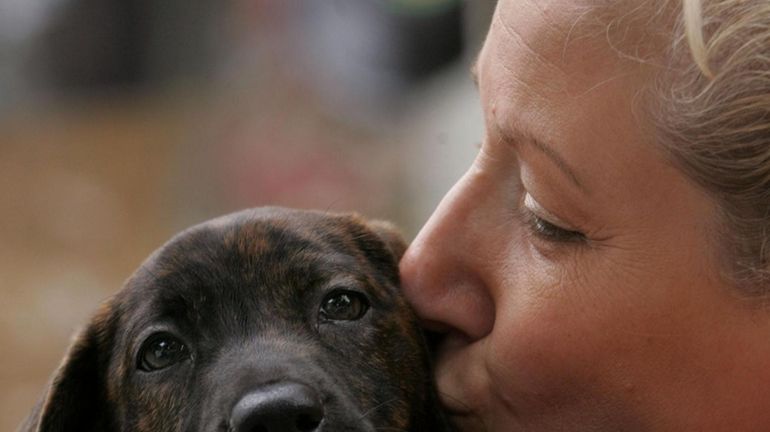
(160, 351)
(343, 305)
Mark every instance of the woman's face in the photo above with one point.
(573, 268)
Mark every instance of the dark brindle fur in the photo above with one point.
(254, 322)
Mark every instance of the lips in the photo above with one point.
(455, 408)
(457, 375)
(468, 423)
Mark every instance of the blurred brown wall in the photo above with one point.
(81, 202)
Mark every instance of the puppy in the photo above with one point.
(266, 320)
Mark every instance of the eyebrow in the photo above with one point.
(530, 139)
(547, 150)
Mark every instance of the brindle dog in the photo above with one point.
(265, 320)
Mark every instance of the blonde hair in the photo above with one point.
(713, 116)
(710, 105)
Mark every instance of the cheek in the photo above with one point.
(597, 335)
(551, 350)
(563, 332)
(157, 409)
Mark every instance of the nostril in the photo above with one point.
(308, 422)
(279, 407)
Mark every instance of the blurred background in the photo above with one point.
(125, 121)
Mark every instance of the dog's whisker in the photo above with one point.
(328, 208)
(376, 407)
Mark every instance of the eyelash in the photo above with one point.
(550, 232)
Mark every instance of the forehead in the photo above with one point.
(547, 43)
(240, 268)
(543, 74)
(256, 249)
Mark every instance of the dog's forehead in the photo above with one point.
(269, 253)
(266, 242)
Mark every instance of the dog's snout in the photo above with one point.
(279, 407)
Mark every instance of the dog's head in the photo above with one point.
(265, 320)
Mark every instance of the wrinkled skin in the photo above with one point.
(244, 294)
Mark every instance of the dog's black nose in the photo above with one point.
(279, 407)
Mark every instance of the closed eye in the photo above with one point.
(549, 231)
(544, 226)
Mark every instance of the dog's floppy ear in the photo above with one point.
(391, 236)
(76, 399)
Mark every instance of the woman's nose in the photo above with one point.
(441, 271)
